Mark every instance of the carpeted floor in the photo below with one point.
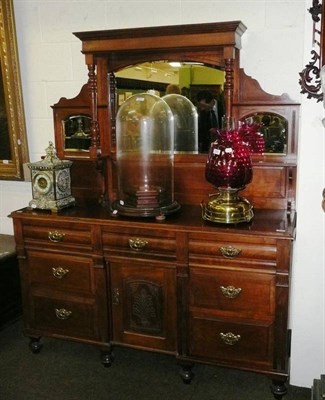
(72, 371)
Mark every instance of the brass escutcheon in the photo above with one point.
(62, 313)
(59, 272)
(229, 338)
(116, 296)
(231, 292)
(137, 244)
(229, 251)
(56, 236)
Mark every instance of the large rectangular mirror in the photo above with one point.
(13, 138)
(191, 78)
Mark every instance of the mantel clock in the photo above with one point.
(51, 182)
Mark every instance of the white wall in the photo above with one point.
(273, 53)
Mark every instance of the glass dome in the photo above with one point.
(145, 157)
(185, 123)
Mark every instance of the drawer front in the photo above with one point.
(140, 243)
(229, 251)
(60, 272)
(64, 317)
(233, 293)
(56, 235)
(229, 341)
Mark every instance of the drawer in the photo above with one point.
(64, 317)
(138, 242)
(57, 235)
(233, 292)
(60, 272)
(222, 340)
(229, 251)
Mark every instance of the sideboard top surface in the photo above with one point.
(271, 223)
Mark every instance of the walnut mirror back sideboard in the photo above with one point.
(200, 291)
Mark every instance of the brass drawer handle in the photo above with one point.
(56, 236)
(229, 251)
(62, 313)
(229, 338)
(231, 292)
(137, 244)
(59, 272)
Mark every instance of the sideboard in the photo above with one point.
(201, 292)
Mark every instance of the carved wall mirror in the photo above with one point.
(13, 139)
(310, 79)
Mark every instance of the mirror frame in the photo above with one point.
(12, 169)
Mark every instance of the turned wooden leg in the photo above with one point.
(35, 345)
(106, 358)
(278, 389)
(186, 373)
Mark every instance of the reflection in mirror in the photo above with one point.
(13, 140)
(274, 129)
(191, 78)
(185, 123)
(76, 130)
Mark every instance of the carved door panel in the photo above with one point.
(144, 305)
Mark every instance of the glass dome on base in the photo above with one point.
(145, 158)
(185, 123)
(157, 212)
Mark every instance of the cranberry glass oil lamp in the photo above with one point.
(229, 169)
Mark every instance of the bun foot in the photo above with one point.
(278, 389)
(186, 374)
(106, 358)
(35, 345)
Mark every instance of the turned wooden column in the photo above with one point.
(229, 85)
(112, 108)
(94, 126)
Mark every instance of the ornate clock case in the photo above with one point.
(51, 183)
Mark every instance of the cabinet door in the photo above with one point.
(143, 300)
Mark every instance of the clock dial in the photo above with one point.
(42, 183)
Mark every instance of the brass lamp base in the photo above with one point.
(227, 207)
